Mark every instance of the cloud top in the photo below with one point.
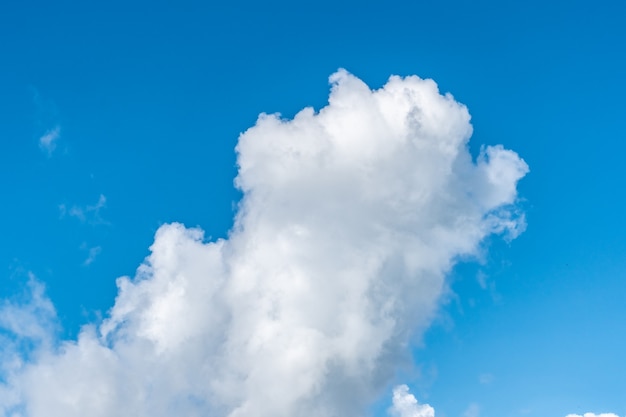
(350, 219)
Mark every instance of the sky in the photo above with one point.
(312, 208)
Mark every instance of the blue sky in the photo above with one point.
(146, 101)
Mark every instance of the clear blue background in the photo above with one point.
(151, 96)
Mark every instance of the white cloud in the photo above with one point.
(405, 405)
(593, 415)
(48, 141)
(31, 316)
(27, 327)
(349, 222)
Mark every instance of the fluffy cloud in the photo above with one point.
(405, 404)
(350, 219)
(593, 415)
(30, 317)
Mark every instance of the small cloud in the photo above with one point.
(48, 142)
(78, 212)
(46, 121)
(405, 405)
(486, 378)
(593, 415)
(93, 253)
(62, 211)
(89, 213)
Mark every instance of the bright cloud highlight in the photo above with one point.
(350, 219)
(405, 404)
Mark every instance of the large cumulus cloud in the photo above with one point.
(350, 219)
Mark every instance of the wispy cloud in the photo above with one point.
(30, 318)
(350, 220)
(473, 410)
(48, 141)
(481, 277)
(88, 213)
(93, 252)
(489, 285)
(593, 415)
(46, 121)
